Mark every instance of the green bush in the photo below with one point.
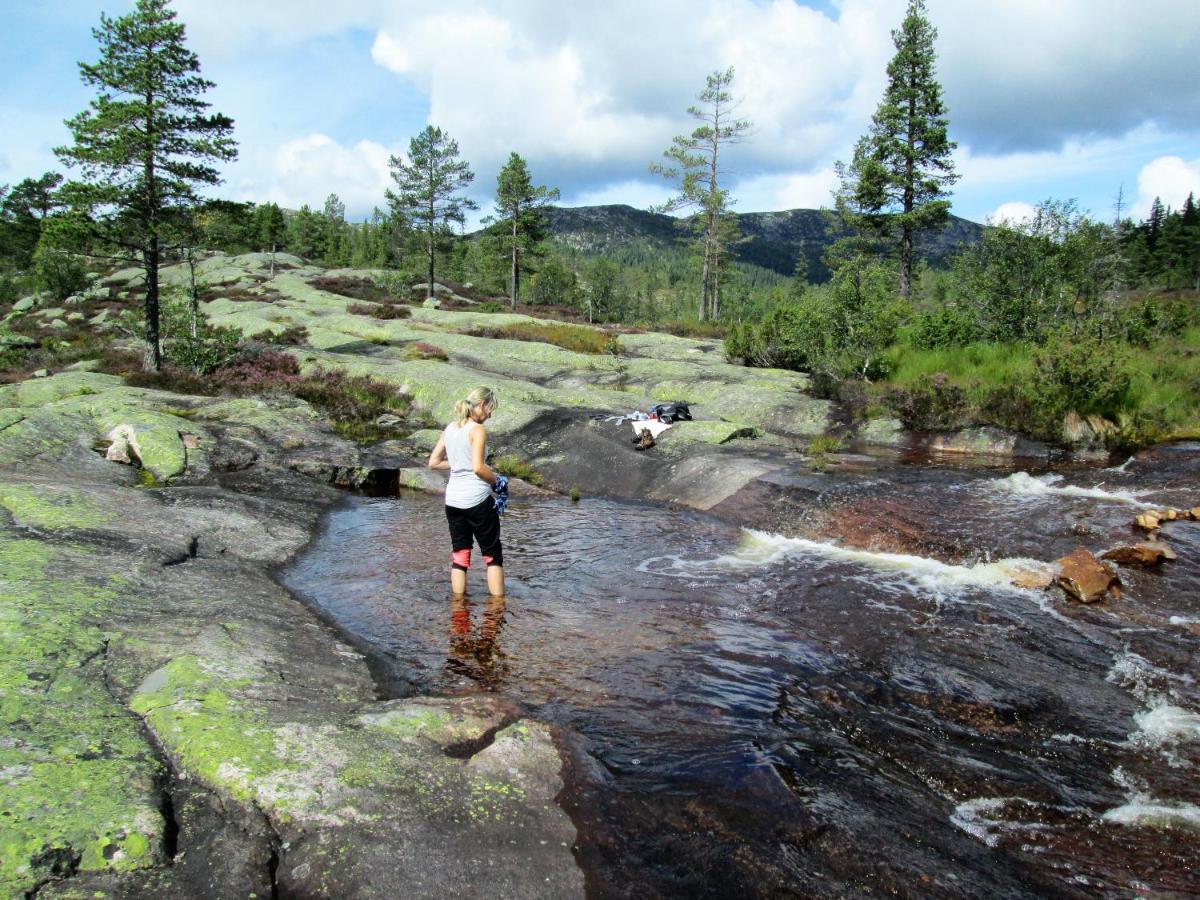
(1088, 377)
(946, 326)
(60, 273)
(490, 306)
(188, 340)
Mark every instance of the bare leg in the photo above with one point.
(458, 581)
(495, 580)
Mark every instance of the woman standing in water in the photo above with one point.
(470, 510)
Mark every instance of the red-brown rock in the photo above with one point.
(1085, 578)
(1145, 553)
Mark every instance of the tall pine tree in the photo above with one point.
(146, 144)
(695, 164)
(428, 185)
(519, 206)
(902, 170)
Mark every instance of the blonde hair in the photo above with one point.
(481, 396)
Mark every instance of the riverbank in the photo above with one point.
(180, 725)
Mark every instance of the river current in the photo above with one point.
(753, 715)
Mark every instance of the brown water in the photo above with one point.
(763, 717)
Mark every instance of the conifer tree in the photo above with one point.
(146, 144)
(428, 185)
(520, 205)
(695, 165)
(902, 170)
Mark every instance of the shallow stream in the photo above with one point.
(759, 716)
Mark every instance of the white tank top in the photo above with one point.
(465, 489)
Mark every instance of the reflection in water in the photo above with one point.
(769, 716)
(474, 652)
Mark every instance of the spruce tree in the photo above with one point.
(146, 144)
(902, 170)
(520, 206)
(428, 185)
(695, 165)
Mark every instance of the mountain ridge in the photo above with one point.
(772, 240)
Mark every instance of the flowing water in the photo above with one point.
(761, 716)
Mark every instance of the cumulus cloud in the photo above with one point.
(1171, 179)
(1014, 212)
(1026, 74)
(309, 168)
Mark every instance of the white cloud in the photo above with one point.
(801, 190)
(1171, 179)
(308, 169)
(1014, 212)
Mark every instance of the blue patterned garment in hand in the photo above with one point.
(500, 489)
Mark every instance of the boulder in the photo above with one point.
(389, 420)
(58, 323)
(124, 447)
(1145, 553)
(431, 303)
(1085, 578)
(24, 305)
(41, 373)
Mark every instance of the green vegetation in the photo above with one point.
(143, 149)
(521, 226)
(569, 337)
(898, 181)
(515, 467)
(428, 185)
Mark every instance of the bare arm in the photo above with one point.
(437, 456)
(478, 439)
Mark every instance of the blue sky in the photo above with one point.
(1072, 99)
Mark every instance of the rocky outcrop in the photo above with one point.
(177, 725)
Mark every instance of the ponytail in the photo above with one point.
(481, 396)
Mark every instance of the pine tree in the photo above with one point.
(695, 165)
(429, 182)
(270, 227)
(902, 168)
(520, 205)
(25, 210)
(146, 144)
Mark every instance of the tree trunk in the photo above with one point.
(193, 294)
(429, 294)
(516, 271)
(906, 231)
(272, 259)
(152, 358)
(906, 259)
(704, 282)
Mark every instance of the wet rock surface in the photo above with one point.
(177, 724)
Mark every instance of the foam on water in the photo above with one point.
(759, 549)
(978, 818)
(1022, 484)
(1163, 725)
(1158, 815)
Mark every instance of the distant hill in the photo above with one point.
(773, 239)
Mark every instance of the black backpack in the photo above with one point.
(671, 412)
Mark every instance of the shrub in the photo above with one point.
(189, 340)
(292, 336)
(175, 380)
(930, 403)
(424, 350)
(1089, 377)
(58, 272)
(379, 310)
(490, 306)
(693, 328)
(947, 326)
(569, 337)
